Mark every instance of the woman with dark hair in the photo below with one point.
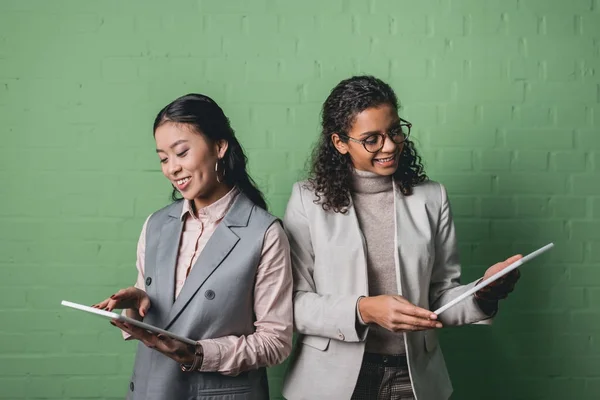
(373, 251)
(213, 266)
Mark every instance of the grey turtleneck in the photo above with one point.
(373, 200)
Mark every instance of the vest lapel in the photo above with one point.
(166, 259)
(218, 247)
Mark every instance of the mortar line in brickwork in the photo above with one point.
(430, 71)
(589, 116)
(515, 113)
(355, 25)
(389, 67)
(500, 138)
(429, 26)
(392, 25)
(542, 70)
(467, 25)
(578, 25)
(541, 25)
(523, 50)
(478, 113)
(466, 69)
(494, 183)
(504, 23)
(580, 69)
(245, 28)
(454, 91)
(526, 91)
(575, 138)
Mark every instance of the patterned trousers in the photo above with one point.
(383, 378)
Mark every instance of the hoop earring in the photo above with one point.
(217, 171)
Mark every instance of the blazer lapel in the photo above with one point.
(218, 247)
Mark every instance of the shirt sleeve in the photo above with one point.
(271, 342)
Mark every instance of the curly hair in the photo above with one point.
(330, 171)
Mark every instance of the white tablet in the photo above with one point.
(494, 277)
(122, 318)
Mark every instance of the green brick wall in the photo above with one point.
(505, 101)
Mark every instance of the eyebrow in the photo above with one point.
(173, 145)
(364, 134)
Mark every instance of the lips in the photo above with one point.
(386, 162)
(183, 182)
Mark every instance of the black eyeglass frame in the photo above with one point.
(403, 123)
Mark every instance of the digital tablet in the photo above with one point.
(494, 277)
(122, 318)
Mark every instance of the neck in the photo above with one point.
(216, 194)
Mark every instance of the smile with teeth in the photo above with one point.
(183, 181)
(384, 160)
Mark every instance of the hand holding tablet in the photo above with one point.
(131, 321)
(493, 278)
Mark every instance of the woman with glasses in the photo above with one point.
(373, 252)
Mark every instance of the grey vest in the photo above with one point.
(216, 300)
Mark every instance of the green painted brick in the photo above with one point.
(473, 231)
(530, 160)
(456, 160)
(494, 160)
(581, 230)
(333, 7)
(463, 206)
(581, 276)
(541, 230)
(571, 252)
(532, 183)
(569, 116)
(13, 388)
(569, 161)
(511, 134)
(533, 207)
(455, 183)
(568, 207)
(538, 139)
(294, 69)
(593, 295)
(474, 138)
(596, 208)
(497, 207)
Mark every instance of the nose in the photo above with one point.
(389, 146)
(173, 167)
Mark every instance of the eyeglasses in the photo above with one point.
(374, 142)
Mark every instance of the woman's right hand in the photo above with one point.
(396, 314)
(129, 298)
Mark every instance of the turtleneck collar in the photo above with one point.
(370, 182)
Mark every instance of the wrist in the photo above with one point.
(363, 309)
(195, 360)
(489, 307)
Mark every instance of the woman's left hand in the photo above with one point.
(176, 350)
(500, 288)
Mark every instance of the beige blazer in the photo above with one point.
(330, 273)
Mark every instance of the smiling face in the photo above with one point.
(381, 119)
(188, 160)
